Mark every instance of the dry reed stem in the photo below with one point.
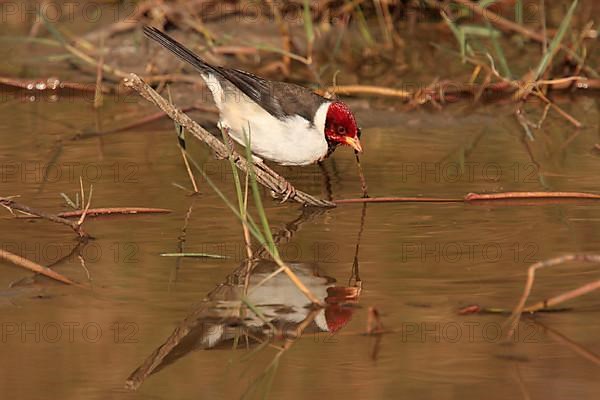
(368, 90)
(189, 170)
(561, 298)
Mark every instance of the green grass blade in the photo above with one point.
(505, 69)
(555, 43)
(258, 201)
(236, 179)
(486, 3)
(459, 35)
(69, 201)
(308, 25)
(519, 12)
(363, 27)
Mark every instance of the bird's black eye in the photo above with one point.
(341, 130)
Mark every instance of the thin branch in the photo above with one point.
(13, 205)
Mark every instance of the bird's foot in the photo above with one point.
(289, 191)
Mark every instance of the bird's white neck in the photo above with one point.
(321, 116)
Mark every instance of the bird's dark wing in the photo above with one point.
(280, 99)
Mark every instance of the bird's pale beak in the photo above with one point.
(352, 142)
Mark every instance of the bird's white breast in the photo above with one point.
(292, 141)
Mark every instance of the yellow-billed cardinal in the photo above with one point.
(286, 123)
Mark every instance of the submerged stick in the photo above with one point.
(264, 176)
(35, 267)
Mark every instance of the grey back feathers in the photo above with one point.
(280, 99)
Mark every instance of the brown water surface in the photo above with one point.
(418, 263)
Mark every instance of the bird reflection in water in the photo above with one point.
(253, 308)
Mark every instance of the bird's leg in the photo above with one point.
(229, 141)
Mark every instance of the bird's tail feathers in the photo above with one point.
(178, 49)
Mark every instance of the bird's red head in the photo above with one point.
(340, 126)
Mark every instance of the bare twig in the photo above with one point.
(13, 205)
